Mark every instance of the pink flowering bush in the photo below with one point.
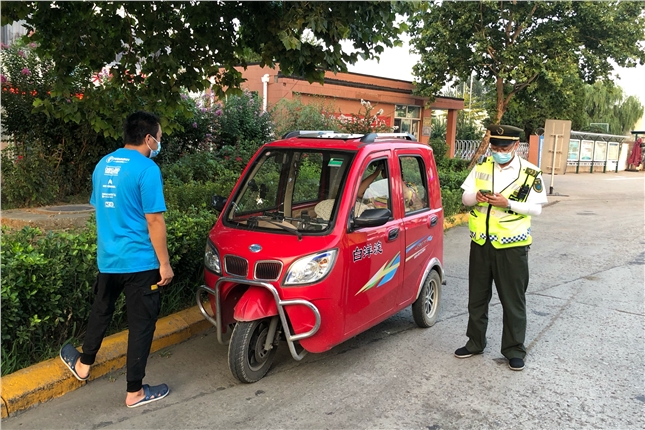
(48, 159)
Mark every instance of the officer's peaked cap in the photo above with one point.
(504, 135)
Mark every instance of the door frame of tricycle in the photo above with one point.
(291, 338)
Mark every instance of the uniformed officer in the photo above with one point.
(505, 191)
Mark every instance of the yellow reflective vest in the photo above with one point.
(503, 227)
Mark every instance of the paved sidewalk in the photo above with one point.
(586, 313)
(50, 379)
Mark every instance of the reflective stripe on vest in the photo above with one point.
(504, 228)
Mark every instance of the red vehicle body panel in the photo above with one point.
(255, 304)
(352, 297)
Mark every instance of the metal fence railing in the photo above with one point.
(465, 149)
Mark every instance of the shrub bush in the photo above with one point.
(451, 201)
(56, 158)
(292, 115)
(46, 292)
(196, 131)
(451, 179)
(47, 284)
(241, 129)
(364, 123)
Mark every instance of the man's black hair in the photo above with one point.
(138, 125)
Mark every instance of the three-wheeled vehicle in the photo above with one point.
(324, 236)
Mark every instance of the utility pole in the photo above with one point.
(470, 99)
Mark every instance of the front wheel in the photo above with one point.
(425, 309)
(248, 359)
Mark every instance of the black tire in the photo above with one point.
(247, 358)
(425, 309)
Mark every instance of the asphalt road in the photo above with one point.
(584, 369)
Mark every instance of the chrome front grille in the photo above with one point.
(236, 266)
(267, 270)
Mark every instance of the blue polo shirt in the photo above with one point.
(125, 187)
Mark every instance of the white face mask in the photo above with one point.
(154, 152)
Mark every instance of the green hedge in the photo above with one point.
(47, 278)
(450, 181)
(47, 282)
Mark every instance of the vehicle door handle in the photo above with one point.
(392, 234)
(433, 220)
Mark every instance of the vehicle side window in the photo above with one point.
(414, 183)
(374, 189)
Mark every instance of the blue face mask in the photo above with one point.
(154, 152)
(502, 157)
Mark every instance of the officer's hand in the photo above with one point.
(166, 274)
(481, 198)
(498, 200)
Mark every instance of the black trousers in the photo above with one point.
(509, 269)
(143, 303)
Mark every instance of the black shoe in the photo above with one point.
(516, 364)
(464, 353)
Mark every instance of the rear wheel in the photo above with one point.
(425, 309)
(248, 359)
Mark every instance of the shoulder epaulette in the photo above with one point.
(531, 172)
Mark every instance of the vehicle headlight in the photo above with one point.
(311, 268)
(211, 259)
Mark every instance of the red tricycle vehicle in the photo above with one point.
(324, 236)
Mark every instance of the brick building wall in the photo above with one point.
(346, 90)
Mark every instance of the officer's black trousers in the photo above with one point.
(509, 269)
(143, 302)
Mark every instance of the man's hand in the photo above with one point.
(166, 273)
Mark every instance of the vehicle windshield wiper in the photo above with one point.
(270, 220)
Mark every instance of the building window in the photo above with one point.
(407, 119)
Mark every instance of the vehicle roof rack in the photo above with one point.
(296, 133)
(330, 134)
(371, 137)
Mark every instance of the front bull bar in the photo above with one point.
(291, 338)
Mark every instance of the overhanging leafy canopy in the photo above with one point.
(156, 49)
(513, 43)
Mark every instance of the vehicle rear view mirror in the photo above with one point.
(218, 203)
(373, 218)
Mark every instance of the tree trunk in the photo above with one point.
(481, 150)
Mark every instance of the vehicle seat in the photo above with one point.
(323, 209)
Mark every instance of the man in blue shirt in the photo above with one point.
(127, 193)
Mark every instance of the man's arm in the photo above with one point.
(157, 231)
(365, 183)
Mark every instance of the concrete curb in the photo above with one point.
(454, 220)
(50, 379)
(44, 381)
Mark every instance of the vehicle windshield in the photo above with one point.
(294, 191)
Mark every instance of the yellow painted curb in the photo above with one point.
(49, 379)
(454, 220)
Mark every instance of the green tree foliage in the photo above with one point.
(540, 101)
(48, 159)
(513, 44)
(155, 50)
(605, 102)
(583, 104)
(290, 115)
